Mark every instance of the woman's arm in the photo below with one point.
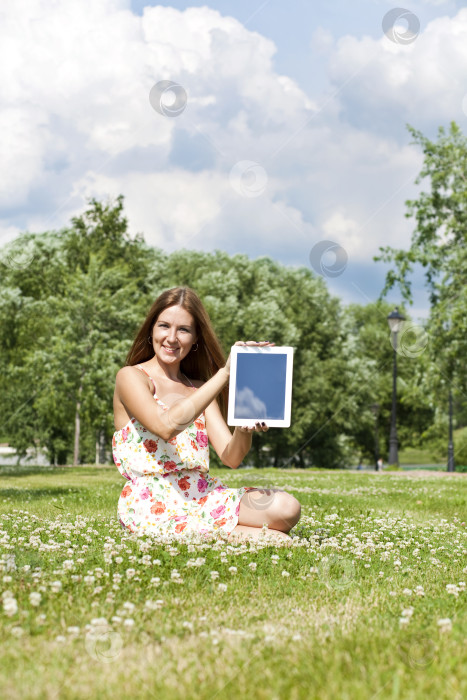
(133, 391)
(231, 449)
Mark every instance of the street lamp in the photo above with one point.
(375, 411)
(395, 321)
(451, 463)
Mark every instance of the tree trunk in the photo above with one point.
(100, 447)
(77, 427)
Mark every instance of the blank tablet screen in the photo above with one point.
(260, 386)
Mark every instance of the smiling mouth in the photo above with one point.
(169, 350)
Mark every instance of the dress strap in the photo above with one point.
(143, 370)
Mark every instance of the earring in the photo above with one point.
(149, 340)
(194, 348)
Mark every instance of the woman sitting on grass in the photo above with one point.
(170, 401)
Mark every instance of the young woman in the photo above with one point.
(170, 401)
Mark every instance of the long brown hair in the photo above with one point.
(198, 364)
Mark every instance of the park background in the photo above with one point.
(303, 170)
(266, 153)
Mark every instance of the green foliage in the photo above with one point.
(72, 300)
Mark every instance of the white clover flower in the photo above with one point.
(17, 631)
(214, 575)
(452, 589)
(128, 622)
(88, 580)
(445, 625)
(35, 598)
(73, 630)
(130, 573)
(252, 565)
(156, 562)
(129, 606)
(116, 619)
(407, 591)
(461, 585)
(7, 579)
(56, 586)
(407, 612)
(222, 587)
(118, 560)
(155, 581)
(233, 569)
(285, 574)
(60, 639)
(10, 606)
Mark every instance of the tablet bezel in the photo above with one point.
(252, 350)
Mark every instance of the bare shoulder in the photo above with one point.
(126, 372)
(128, 375)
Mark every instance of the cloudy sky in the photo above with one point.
(286, 126)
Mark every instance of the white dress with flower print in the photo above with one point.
(169, 487)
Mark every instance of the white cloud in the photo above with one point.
(78, 123)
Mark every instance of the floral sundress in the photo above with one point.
(169, 487)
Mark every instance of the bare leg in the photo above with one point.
(277, 509)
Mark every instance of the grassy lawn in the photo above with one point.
(351, 609)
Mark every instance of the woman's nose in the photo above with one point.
(172, 335)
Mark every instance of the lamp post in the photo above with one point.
(451, 463)
(375, 411)
(395, 320)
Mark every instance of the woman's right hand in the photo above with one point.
(261, 343)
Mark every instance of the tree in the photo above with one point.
(439, 245)
(68, 318)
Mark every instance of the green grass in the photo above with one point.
(330, 629)
(414, 455)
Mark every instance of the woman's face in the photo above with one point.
(173, 334)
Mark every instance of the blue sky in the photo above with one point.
(293, 131)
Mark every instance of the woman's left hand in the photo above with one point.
(258, 427)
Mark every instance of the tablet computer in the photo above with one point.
(260, 387)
